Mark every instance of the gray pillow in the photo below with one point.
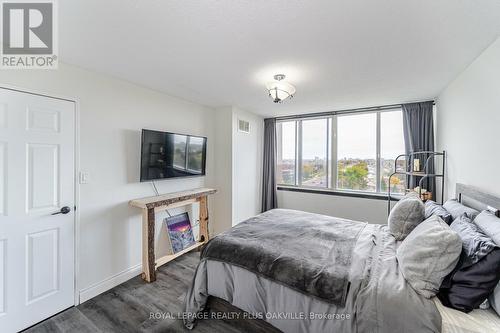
(433, 208)
(495, 299)
(405, 216)
(429, 253)
(475, 244)
(489, 224)
(456, 209)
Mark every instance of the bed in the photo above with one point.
(477, 321)
(369, 294)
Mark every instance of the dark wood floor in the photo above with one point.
(127, 307)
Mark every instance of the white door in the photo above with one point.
(37, 179)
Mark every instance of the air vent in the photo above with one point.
(243, 126)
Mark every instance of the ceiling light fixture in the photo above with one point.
(280, 90)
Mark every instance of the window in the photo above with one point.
(357, 152)
(314, 149)
(391, 145)
(352, 152)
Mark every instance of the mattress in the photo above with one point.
(476, 321)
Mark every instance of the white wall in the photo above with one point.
(247, 166)
(238, 167)
(359, 209)
(112, 113)
(468, 120)
(223, 164)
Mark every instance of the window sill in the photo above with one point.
(354, 194)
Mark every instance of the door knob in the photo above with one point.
(64, 210)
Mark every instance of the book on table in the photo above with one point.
(180, 232)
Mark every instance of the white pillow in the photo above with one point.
(428, 254)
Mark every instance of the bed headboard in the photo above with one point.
(475, 198)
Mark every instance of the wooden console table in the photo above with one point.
(161, 202)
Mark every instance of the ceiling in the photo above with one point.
(338, 53)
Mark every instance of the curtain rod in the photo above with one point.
(331, 113)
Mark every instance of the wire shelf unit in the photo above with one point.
(421, 175)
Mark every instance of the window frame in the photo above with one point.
(332, 157)
(298, 152)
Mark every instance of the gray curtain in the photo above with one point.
(418, 128)
(269, 193)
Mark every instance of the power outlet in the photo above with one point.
(84, 177)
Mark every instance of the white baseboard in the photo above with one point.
(113, 281)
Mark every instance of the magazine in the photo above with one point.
(180, 232)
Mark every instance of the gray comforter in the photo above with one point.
(378, 298)
(313, 257)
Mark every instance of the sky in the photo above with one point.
(356, 136)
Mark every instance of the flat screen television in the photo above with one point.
(170, 155)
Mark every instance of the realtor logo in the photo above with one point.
(29, 34)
